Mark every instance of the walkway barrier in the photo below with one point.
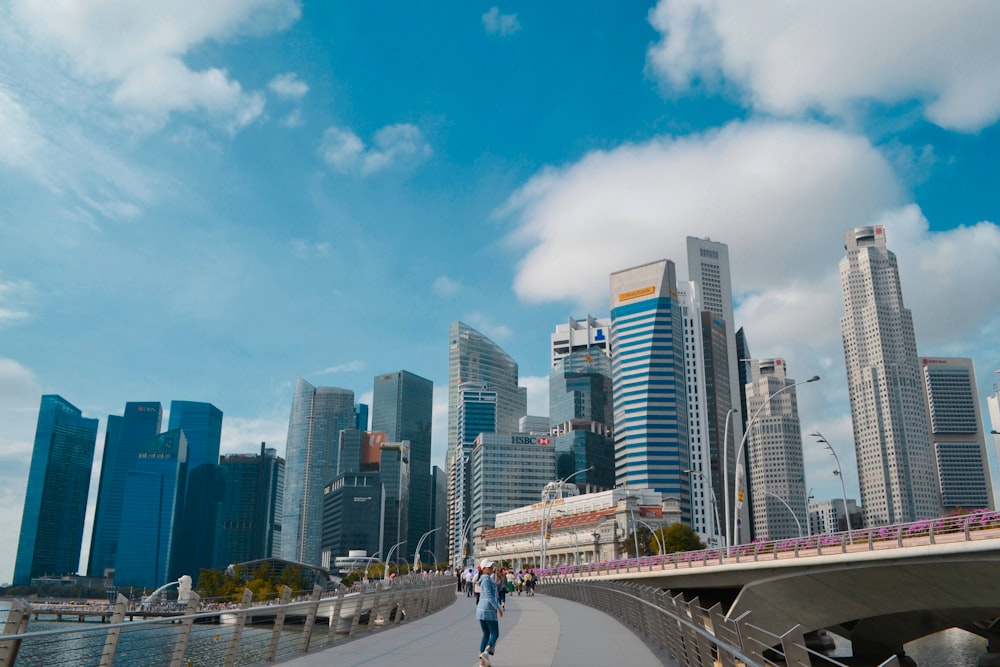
(975, 526)
(691, 635)
(227, 635)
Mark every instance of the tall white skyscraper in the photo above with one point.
(777, 474)
(588, 335)
(708, 268)
(650, 398)
(957, 435)
(318, 416)
(888, 408)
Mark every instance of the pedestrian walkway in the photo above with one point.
(538, 631)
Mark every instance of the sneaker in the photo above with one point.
(484, 659)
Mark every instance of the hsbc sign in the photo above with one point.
(530, 440)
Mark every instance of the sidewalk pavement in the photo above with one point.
(538, 631)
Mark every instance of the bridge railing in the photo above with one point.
(243, 634)
(691, 635)
(978, 525)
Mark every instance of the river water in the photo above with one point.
(949, 648)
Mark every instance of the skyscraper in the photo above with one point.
(477, 413)
(121, 451)
(957, 435)
(147, 548)
(888, 408)
(318, 415)
(249, 518)
(474, 358)
(587, 335)
(204, 489)
(402, 408)
(650, 397)
(55, 501)
(774, 443)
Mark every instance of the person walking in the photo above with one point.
(488, 613)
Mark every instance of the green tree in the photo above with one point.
(678, 537)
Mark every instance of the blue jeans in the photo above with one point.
(491, 632)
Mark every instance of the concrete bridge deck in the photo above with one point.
(538, 631)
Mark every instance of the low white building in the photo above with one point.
(827, 516)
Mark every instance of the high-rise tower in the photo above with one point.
(318, 416)
(249, 520)
(402, 408)
(650, 397)
(888, 408)
(55, 501)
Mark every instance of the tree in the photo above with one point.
(678, 537)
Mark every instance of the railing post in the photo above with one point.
(182, 639)
(793, 645)
(967, 522)
(752, 644)
(279, 623)
(111, 643)
(930, 532)
(871, 541)
(307, 628)
(899, 537)
(357, 611)
(843, 542)
(334, 618)
(721, 625)
(241, 621)
(16, 624)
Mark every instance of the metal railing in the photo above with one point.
(979, 525)
(229, 635)
(690, 634)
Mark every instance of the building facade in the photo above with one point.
(650, 397)
(318, 415)
(589, 335)
(774, 443)
(55, 500)
(957, 435)
(888, 407)
(828, 516)
(249, 518)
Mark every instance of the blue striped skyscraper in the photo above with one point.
(55, 501)
(318, 416)
(650, 396)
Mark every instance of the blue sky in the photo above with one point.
(204, 201)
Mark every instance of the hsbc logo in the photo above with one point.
(544, 441)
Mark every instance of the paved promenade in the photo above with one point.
(537, 631)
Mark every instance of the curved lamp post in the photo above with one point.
(839, 473)
(659, 540)
(370, 559)
(725, 477)
(739, 453)
(420, 543)
(388, 557)
(548, 504)
(798, 524)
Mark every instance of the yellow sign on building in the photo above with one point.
(636, 293)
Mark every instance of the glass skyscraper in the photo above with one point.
(249, 518)
(317, 417)
(147, 555)
(121, 451)
(402, 408)
(55, 502)
(650, 398)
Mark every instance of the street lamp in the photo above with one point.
(467, 526)
(547, 504)
(388, 556)
(798, 524)
(739, 452)
(659, 540)
(725, 475)
(711, 497)
(839, 473)
(420, 543)
(370, 559)
(576, 542)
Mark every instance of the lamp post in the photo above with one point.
(459, 515)
(739, 452)
(659, 540)
(547, 504)
(576, 542)
(798, 524)
(839, 473)
(725, 476)
(468, 525)
(420, 543)
(370, 559)
(711, 497)
(388, 556)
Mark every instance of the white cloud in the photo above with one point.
(791, 58)
(349, 367)
(445, 286)
(488, 326)
(288, 86)
(14, 298)
(293, 119)
(18, 387)
(538, 394)
(344, 150)
(138, 49)
(244, 435)
(309, 249)
(781, 196)
(503, 24)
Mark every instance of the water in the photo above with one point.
(948, 648)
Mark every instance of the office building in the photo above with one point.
(650, 397)
(402, 408)
(589, 335)
(828, 516)
(536, 424)
(476, 414)
(581, 408)
(55, 500)
(888, 408)
(204, 490)
(317, 417)
(957, 435)
(249, 516)
(774, 444)
(353, 511)
(147, 543)
(439, 512)
(123, 437)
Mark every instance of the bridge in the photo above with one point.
(881, 589)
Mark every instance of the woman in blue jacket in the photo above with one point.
(488, 612)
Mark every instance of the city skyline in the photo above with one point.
(329, 208)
